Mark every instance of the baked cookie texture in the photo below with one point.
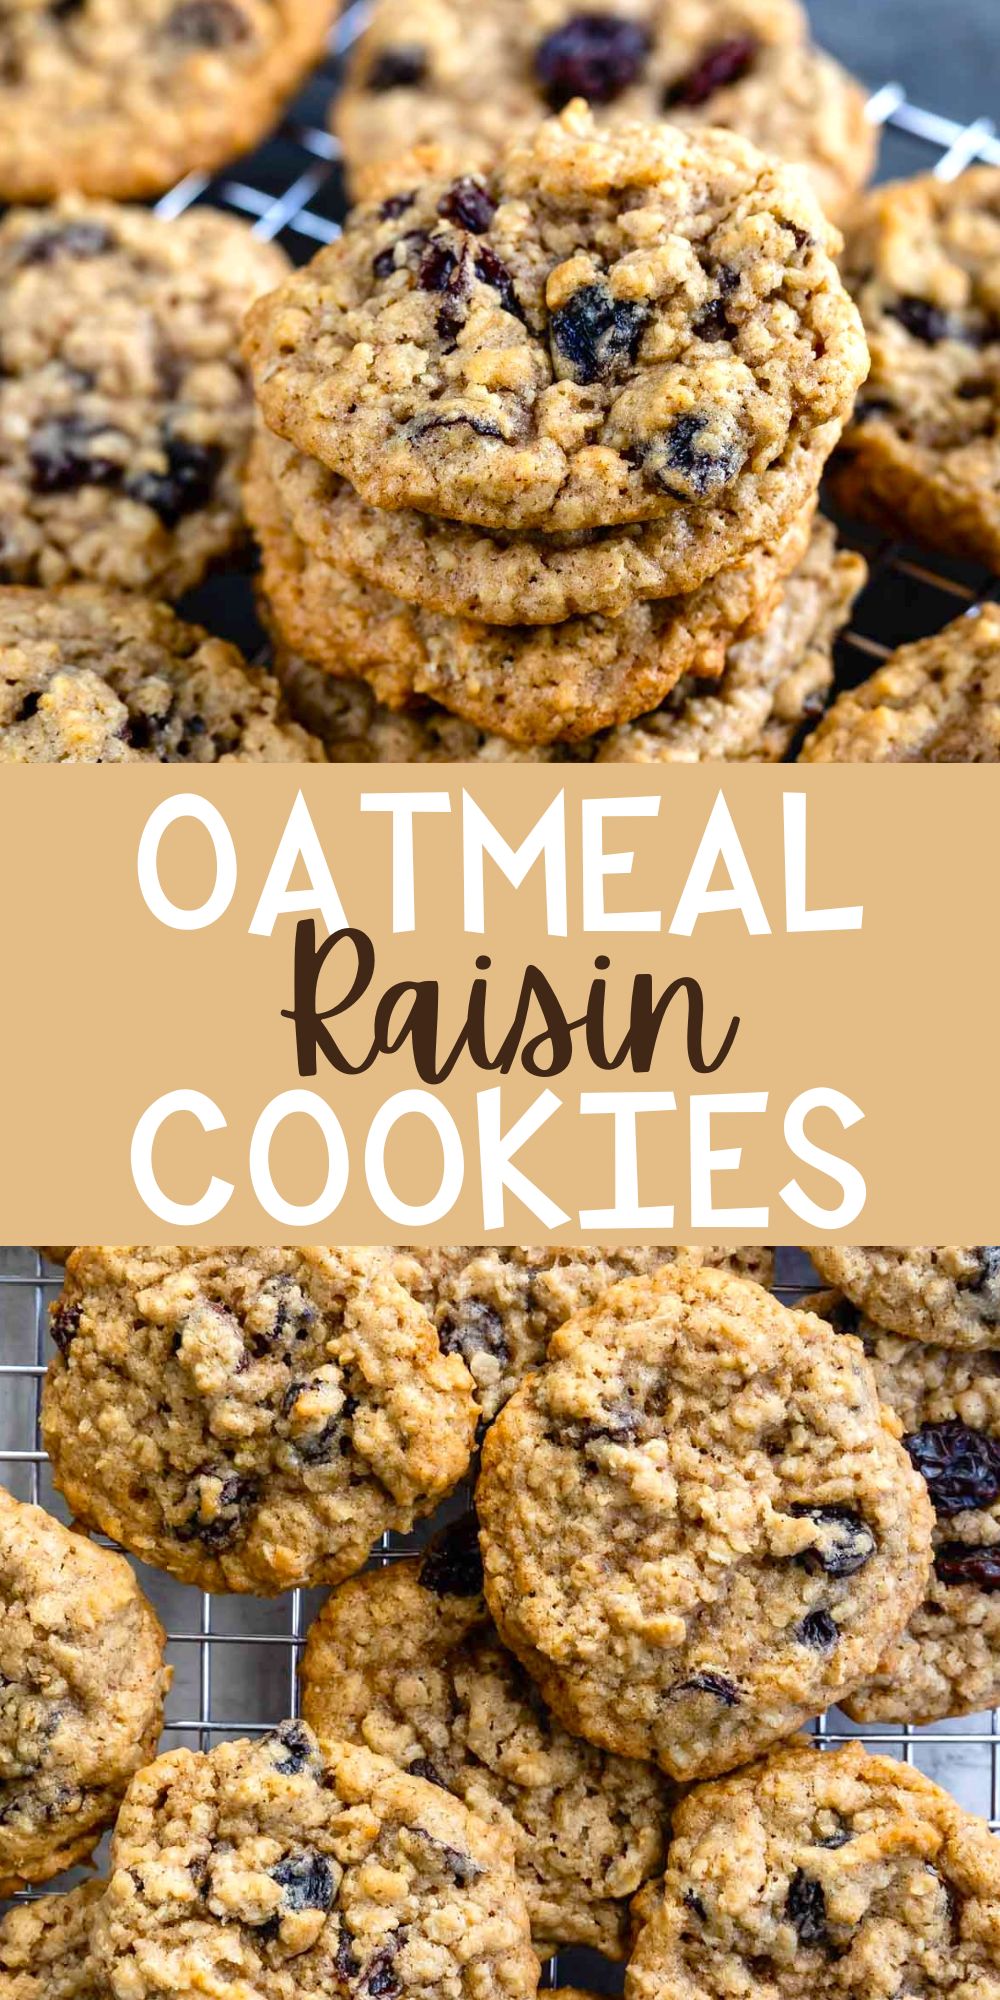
(416, 75)
(99, 677)
(276, 1868)
(770, 687)
(531, 683)
(123, 97)
(947, 1662)
(406, 1660)
(250, 1419)
(941, 1294)
(935, 702)
(125, 414)
(698, 1525)
(45, 1947)
(82, 1686)
(498, 1308)
(610, 326)
(922, 456)
(821, 1873)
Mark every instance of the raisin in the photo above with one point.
(381, 1977)
(838, 1838)
(388, 260)
(306, 1881)
(479, 426)
(988, 1273)
(188, 482)
(397, 69)
(62, 458)
(335, 1434)
(298, 1746)
(926, 322)
(346, 1965)
(713, 322)
(28, 707)
(491, 271)
(423, 1768)
(961, 1562)
(693, 1902)
(208, 24)
(619, 1426)
(468, 204)
(596, 335)
(73, 239)
(683, 467)
(233, 1502)
(728, 62)
(453, 1566)
(446, 270)
(806, 1906)
(65, 1323)
(396, 205)
(472, 1328)
(716, 1684)
(961, 1466)
(595, 56)
(847, 1547)
(819, 1631)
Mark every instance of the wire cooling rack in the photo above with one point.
(235, 1659)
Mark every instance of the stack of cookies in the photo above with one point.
(539, 444)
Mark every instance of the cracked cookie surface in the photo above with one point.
(416, 75)
(250, 1419)
(530, 683)
(93, 676)
(947, 1662)
(922, 456)
(698, 1526)
(406, 1660)
(611, 326)
(125, 414)
(770, 687)
(284, 1870)
(939, 1293)
(82, 1686)
(45, 1947)
(816, 1873)
(935, 702)
(123, 97)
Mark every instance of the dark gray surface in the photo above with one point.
(946, 53)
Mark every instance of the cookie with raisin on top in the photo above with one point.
(416, 74)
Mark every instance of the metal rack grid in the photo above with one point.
(235, 1659)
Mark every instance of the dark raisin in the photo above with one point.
(693, 1902)
(596, 335)
(847, 1543)
(713, 322)
(73, 239)
(423, 1768)
(381, 1977)
(926, 322)
(615, 1427)
(384, 264)
(397, 69)
(472, 1328)
(335, 1436)
(988, 1273)
(491, 271)
(479, 426)
(819, 1631)
(446, 270)
(396, 205)
(233, 1501)
(595, 56)
(453, 1566)
(306, 1881)
(961, 1466)
(838, 1838)
(715, 1684)
(63, 459)
(208, 24)
(346, 1965)
(188, 482)
(28, 707)
(726, 63)
(65, 1326)
(294, 1318)
(468, 204)
(297, 1745)
(961, 1562)
(686, 467)
(806, 1906)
